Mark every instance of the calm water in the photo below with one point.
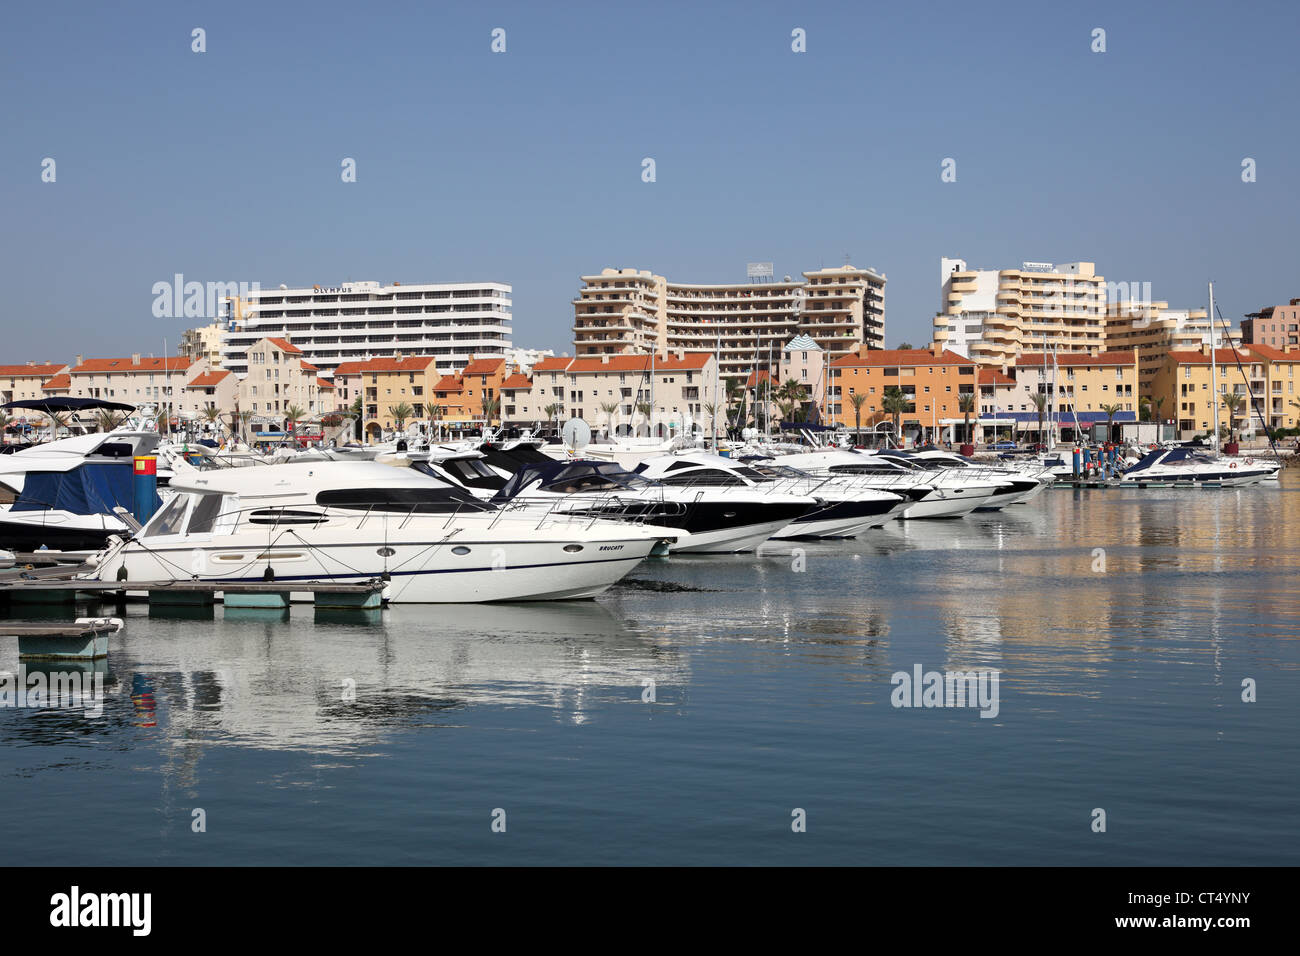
(1120, 689)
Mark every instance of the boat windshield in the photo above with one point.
(402, 500)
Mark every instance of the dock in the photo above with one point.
(86, 639)
(1076, 483)
(49, 586)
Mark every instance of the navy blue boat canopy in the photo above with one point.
(89, 489)
(54, 406)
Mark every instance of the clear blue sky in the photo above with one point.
(525, 167)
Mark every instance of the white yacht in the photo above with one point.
(721, 518)
(354, 521)
(1183, 464)
(1027, 481)
(843, 510)
(942, 493)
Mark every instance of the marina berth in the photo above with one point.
(350, 522)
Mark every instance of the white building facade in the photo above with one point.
(358, 321)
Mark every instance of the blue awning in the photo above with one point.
(89, 489)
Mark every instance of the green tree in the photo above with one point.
(1232, 402)
(401, 413)
(893, 403)
(857, 400)
(966, 403)
(1040, 405)
(1111, 411)
(609, 408)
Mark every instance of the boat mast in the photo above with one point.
(717, 375)
(1214, 377)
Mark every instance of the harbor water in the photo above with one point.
(723, 709)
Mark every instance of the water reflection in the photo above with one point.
(342, 685)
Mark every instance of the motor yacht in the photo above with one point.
(844, 510)
(355, 521)
(1183, 464)
(721, 518)
(937, 493)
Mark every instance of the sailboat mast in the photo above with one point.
(1214, 376)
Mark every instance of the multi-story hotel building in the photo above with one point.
(748, 324)
(203, 343)
(992, 315)
(1155, 330)
(357, 321)
(1275, 325)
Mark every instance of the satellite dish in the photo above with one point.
(577, 433)
(283, 286)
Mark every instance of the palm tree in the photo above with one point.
(794, 393)
(5, 421)
(1111, 411)
(645, 409)
(966, 403)
(294, 414)
(212, 414)
(436, 412)
(105, 420)
(857, 400)
(551, 411)
(787, 409)
(712, 411)
(894, 403)
(1232, 402)
(245, 417)
(1040, 405)
(401, 412)
(357, 412)
(491, 407)
(609, 408)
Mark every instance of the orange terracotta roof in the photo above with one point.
(209, 379)
(1075, 358)
(1228, 357)
(323, 383)
(449, 383)
(348, 368)
(874, 358)
(415, 363)
(555, 363)
(284, 345)
(993, 376)
(485, 366)
(307, 366)
(517, 380)
(172, 363)
(63, 380)
(19, 371)
(762, 375)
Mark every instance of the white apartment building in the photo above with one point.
(358, 321)
(992, 315)
(748, 324)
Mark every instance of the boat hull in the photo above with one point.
(427, 571)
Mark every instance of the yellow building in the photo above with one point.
(385, 384)
(1263, 378)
